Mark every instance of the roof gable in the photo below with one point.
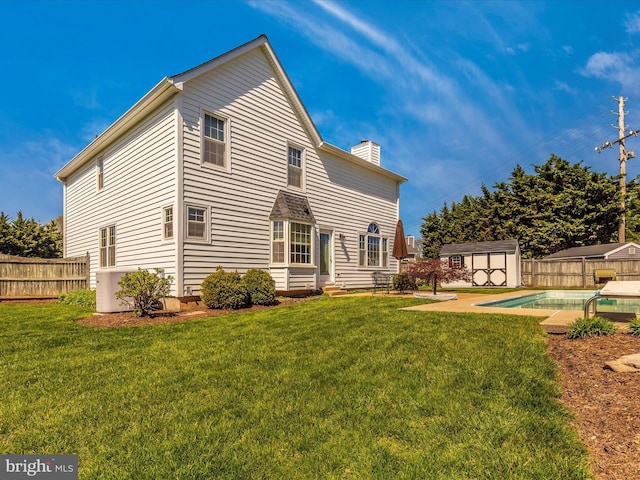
(170, 86)
(262, 42)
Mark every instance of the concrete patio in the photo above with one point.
(554, 321)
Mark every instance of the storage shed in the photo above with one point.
(492, 264)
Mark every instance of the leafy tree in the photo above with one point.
(25, 237)
(437, 272)
(560, 205)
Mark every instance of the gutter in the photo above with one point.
(343, 154)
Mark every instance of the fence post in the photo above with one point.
(584, 273)
(87, 271)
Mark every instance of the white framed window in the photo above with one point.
(108, 246)
(294, 167)
(298, 250)
(99, 174)
(277, 242)
(456, 261)
(300, 243)
(214, 140)
(373, 248)
(167, 223)
(197, 218)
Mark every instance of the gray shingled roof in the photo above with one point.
(479, 247)
(587, 252)
(291, 207)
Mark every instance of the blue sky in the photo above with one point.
(456, 93)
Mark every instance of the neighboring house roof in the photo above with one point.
(591, 251)
(508, 246)
(291, 207)
(170, 86)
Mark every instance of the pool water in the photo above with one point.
(566, 300)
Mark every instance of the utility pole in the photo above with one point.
(624, 156)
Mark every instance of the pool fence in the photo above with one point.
(576, 273)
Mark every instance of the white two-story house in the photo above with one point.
(222, 165)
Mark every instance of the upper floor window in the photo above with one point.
(214, 148)
(196, 223)
(100, 174)
(294, 169)
(108, 246)
(373, 248)
(167, 223)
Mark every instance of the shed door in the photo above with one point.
(489, 269)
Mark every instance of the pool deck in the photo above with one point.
(555, 321)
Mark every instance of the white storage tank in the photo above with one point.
(106, 288)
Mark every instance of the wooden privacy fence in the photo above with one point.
(42, 277)
(576, 273)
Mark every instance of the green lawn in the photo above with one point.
(330, 388)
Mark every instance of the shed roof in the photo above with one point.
(591, 251)
(508, 246)
(291, 207)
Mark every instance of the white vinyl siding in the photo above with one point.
(342, 195)
(141, 180)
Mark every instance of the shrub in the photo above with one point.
(634, 327)
(261, 287)
(81, 298)
(145, 288)
(224, 290)
(403, 282)
(588, 327)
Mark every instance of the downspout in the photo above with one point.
(178, 216)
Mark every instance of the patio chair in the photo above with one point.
(381, 281)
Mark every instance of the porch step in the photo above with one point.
(334, 290)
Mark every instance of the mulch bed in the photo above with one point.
(189, 312)
(605, 403)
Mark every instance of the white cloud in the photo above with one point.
(614, 67)
(632, 23)
(563, 86)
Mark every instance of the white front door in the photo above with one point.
(326, 257)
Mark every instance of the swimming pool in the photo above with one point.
(566, 300)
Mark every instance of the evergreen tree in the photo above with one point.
(27, 238)
(561, 205)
